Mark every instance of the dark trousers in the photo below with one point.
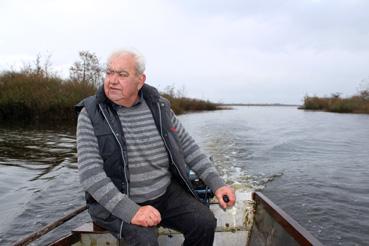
(179, 211)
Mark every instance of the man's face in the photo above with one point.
(122, 83)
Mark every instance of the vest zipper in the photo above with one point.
(121, 151)
(121, 229)
(170, 154)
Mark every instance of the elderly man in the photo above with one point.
(133, 159)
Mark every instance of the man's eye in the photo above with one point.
(122, 74)
(109, 72)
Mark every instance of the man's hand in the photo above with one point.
(146, 216)
(225, 190)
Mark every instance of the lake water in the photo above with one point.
(314, 165)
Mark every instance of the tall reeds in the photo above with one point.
(355, 104)
(181, 104)
(33, 96)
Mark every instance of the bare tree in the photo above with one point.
(364, 89)
(87, 69)
(173, 92)
(37, 67)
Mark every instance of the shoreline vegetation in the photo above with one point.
(35, 95)
(259, 104)
(355, 104)
(181, 104)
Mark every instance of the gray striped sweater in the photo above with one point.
(147, 161)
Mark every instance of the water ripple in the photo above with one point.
(313, 165)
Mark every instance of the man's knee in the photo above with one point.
(137, 235)
(202, 229)
(206, 221)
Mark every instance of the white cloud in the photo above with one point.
(241, 51)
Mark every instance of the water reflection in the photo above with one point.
(38, 177)
(37, 150)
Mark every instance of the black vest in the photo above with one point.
(113, 148)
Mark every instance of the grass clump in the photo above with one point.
(356, 104)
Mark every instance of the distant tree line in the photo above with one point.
(34, 93)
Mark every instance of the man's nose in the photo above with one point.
(113, 78)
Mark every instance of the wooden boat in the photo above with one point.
(253, 221)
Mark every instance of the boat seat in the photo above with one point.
(90, 227)
(92, 234)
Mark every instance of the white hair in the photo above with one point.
(137, 56)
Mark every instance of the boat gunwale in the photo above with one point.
(294, 229)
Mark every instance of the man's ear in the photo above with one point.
(142, 79)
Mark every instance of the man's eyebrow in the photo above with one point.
(117, 71)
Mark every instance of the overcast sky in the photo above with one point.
(225, 51)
